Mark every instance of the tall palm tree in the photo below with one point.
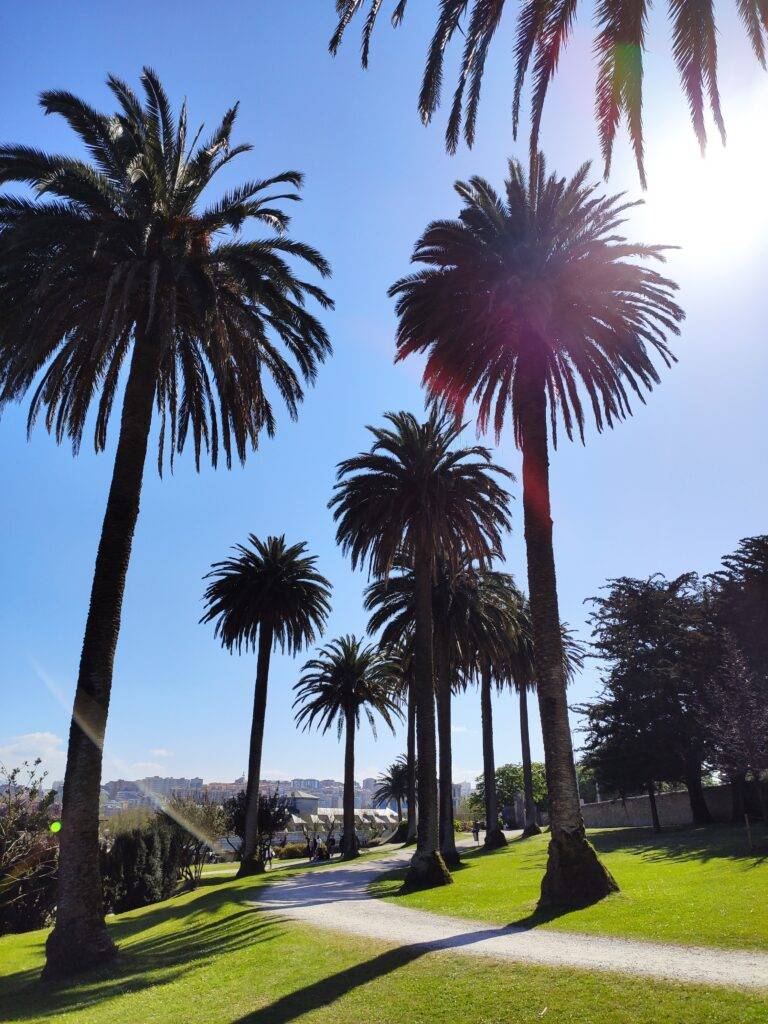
(518, 670)
(410, 755)
(543, 31)
(402, 653)
(392, 602)
(113, 262)
(393, 786)
(266, 595)
(344, 680)
(520, 300)
(495, 619)
(413, 496)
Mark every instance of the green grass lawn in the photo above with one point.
(209, 958)
(696, 886)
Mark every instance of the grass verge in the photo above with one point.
(208, 957)
(695, 886)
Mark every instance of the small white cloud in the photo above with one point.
(161, 752)
(462, 730)
(31, 745)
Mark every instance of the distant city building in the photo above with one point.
(219, 792)
(308, 784)
(307, 794)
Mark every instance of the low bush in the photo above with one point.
(462, 826)
(291, 851)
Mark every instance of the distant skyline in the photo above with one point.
(671, 490)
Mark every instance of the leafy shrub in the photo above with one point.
(28, 850)
(141, 866)
(291, 851)
(196, 831)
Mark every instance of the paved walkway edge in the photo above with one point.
(337, 898)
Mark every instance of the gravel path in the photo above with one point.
(337, 898)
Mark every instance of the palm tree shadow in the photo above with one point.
(540, 916)
(145, 962)
(328, 990)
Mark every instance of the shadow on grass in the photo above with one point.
(145, 959)
(685, 843)
(328, 990)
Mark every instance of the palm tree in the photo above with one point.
(392, 601)
(522, 298)
(495, 620)
(345, 679)
(267, 594)
(112, 262)
(393, 786)
(518, 670)
(543, 32)
(414, 496)
(402, 653)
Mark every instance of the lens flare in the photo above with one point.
(155, 799)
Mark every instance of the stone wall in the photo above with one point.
(674, 809)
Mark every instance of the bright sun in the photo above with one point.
(716, 207)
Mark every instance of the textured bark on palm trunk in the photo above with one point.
(494, 837)
(574, 874)
(252, 861)
(349, 839)
(80, 939)
(427, 867)
(531, 825)
(445, 773)
(411, 759)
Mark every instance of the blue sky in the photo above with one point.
(673, 489)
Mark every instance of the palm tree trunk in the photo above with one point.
(443, 691)
(494, 837)
(411, 758)
(80, 940)
(399, 802)
(349, 839)
(574, 873)
(531, 825)
(427, 867)
(252, 861)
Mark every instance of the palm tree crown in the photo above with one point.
(414, 492)
(543, 31)
(116, 250)
(393, 784)
(267, 582)
(347, 678)
(535, 288)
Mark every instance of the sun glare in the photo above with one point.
(714, 207)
